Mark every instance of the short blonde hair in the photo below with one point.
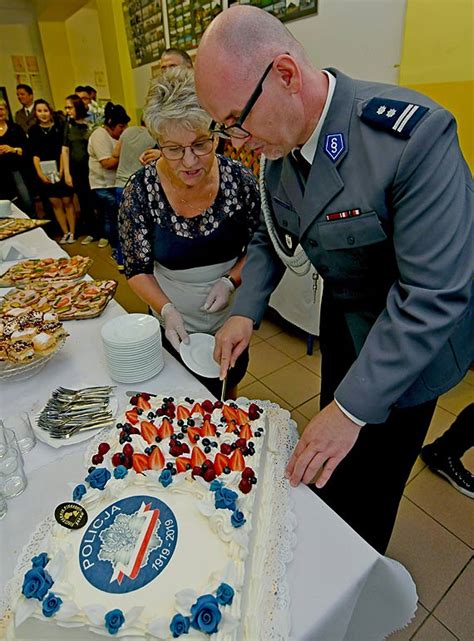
(3, 103)
(172, 101)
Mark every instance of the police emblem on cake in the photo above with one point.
(128, 544)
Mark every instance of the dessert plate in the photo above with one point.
(130, 329)
(44, 437)
(198, 355)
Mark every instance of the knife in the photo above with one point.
(224, 388)
(131, 393)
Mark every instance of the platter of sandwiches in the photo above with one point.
(33, 270)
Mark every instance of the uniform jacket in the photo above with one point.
(400, 271)
(23, 120)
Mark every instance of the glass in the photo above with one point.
(3, 506)
(21, 426)
(235, 130)
(176, 152)
(12, 475)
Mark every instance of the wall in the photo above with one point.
(86, 50)
(438, 59)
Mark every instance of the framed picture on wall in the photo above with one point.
(3, 96)
(283, 9)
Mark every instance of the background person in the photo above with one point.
(25, 116)
(370, 180)
(185, 221)
(103, 162)
(45, 139)
(13, 149)
(75, 159)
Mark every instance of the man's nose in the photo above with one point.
(238, 142)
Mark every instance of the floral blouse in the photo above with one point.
(150, 230)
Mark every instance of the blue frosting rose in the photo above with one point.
(79, 492)
(120, 472)
(51, 604)
(205, 614)
(36, 583)
(225, 499)
(225, 594)
(179, 625)
(40, 561)
(166, 478)
(114, 620)
(215, 485)
(237, 519)
(98, 478)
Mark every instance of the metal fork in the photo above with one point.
(67, 433)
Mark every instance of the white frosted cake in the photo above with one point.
(188, 530)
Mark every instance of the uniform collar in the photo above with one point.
(308, 150)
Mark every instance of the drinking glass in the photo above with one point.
(21, 426)
(12, 475)
(3, 506)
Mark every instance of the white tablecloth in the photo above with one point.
(341, 589)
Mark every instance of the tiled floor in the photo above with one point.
(434, 533)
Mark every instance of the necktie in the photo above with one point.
(301, 164)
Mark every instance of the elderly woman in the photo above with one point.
(185, 221)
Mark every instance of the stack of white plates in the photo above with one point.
(132, 346)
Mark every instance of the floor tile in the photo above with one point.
(468, 460)
(310, 408)
(457, 398)
(294, 383)
(454, 611)
(300, 420)
(407, 633)
(469, 378)
(433, 630)
(290, 344)
(265, 359)
(267, 329)
(440, 422)
(259, 391)
(247, 379)
(312, 362)
(255, 339)
(416, 469)
(432, 555)
(443, 503)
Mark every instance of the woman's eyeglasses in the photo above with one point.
(176, 152)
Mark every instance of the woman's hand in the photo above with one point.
(149, 155)
(68, 180)
(175, 331)
(6, 149)
(44, 179)
(219, 295)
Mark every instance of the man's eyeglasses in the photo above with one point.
(176, 152)
(236, 130)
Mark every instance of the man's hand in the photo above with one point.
(327, 439)
(175, 331)
(231, 340)
(149, 155)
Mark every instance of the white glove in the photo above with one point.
(219, 295)
(175, 331)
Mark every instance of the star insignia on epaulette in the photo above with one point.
(393, 116)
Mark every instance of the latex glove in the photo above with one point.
(175, 331)
(218, 297)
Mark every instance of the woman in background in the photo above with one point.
(76, 164)
(103, 162)
(45, 138)
(13, 149)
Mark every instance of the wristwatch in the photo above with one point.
(232, 280)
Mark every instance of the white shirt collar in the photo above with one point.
(308, 150)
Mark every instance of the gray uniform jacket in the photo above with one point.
(400, 268)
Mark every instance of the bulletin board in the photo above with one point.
(283, 9)
(145, 30)
(188, 19)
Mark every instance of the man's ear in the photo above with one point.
(289, 72)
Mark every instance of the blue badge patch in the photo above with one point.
(128, 544)
(334, 145)
(397, 117)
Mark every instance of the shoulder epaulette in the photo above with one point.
(394, 116)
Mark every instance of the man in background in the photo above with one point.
(25, 116)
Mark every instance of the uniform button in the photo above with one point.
(284, 223)
(350, 239)
(313, 243)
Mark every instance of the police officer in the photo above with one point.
(370, 181)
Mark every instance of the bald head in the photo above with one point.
(245, 38)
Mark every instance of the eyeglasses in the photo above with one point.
(200, 148)
(236, 130)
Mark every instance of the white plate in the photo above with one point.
(129, 329)
(43, 436)
(197, 355)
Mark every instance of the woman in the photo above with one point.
(76, 164)
(13, 149)
(103, 161)
(46, 138)
(185, 221)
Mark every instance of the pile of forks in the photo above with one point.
(71, 411)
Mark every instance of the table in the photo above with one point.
(341, 588)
